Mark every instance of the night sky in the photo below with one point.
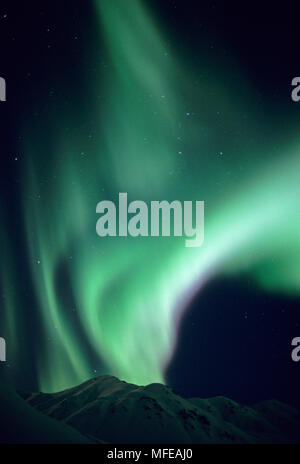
(164, 100)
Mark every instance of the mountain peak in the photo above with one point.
(115, 411)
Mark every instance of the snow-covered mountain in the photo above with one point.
(108, 409)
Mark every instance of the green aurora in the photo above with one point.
(165, 128)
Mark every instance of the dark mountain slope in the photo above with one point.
(20, 423)
(108, 409)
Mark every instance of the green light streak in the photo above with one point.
(127, 292)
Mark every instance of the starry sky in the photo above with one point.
(164, 100)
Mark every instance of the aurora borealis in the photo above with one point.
(157, 123)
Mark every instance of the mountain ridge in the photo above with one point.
(111, 410)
